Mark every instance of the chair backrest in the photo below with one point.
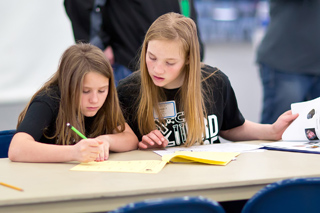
(5, 139)
(173, 205)
(290, 195)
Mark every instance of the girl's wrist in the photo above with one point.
(73, 152)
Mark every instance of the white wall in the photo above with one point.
(237, 61)
(34, 34)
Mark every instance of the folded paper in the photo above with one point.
(216, 158)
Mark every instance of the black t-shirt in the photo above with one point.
(40, 119)
(220, 103)
(125, 23)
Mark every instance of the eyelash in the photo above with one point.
(100, 91)
(153, 59)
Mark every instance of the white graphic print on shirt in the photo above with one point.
(174, 129)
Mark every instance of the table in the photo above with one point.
(52, 187)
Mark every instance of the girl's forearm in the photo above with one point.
(24, 148)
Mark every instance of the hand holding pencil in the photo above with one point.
(88, 150)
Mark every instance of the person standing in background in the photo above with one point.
(118, 27)
(289, 56)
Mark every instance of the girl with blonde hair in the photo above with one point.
(175, 100)
(82, 92)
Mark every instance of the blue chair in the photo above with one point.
(173, 205)
(290, 195)
(5, 139)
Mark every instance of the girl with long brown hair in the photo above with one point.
(175, 100)
(82, 92)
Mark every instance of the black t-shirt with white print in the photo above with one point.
(220, 103)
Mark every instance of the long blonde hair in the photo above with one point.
(75, 63)
(173, 26)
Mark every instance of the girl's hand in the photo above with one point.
(87, 150)
(104, 149)
(282, 123)
(153, 140)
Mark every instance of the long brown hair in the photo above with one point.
(176, 27)
(75, 63)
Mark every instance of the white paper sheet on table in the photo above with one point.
(221, 147)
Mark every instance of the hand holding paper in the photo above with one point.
(307, 126)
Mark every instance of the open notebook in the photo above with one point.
(155, 166)
(216, 158)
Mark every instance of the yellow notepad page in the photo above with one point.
(217, 158)
(143, 166)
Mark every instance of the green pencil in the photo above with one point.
(76, 131)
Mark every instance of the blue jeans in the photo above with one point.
(281, 89)
(120, 72)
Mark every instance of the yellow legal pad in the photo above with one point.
(216, 158)
(155, 166)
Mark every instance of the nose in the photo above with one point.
(93, 98)
(158, 68)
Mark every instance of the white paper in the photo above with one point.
(219, 147)
(306, 126)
